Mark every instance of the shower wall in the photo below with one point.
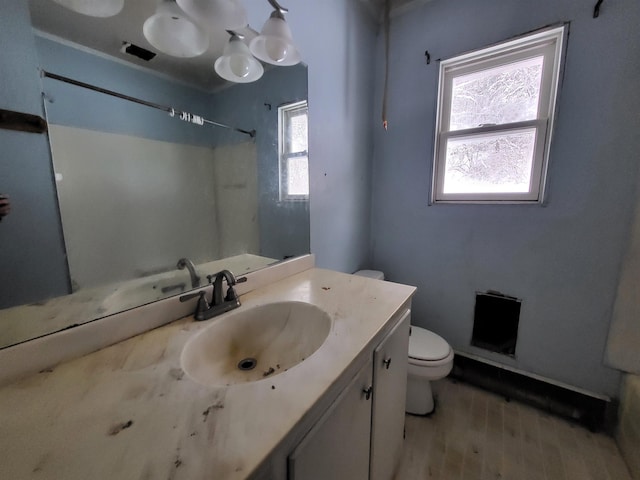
(149, 203)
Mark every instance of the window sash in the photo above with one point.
(540, 127)
(284, 179)
(547, 44)
(285, 114)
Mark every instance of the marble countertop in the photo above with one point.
(130, 412)
(21, 323)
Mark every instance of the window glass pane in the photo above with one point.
(505, 94)
(490, 163)
(298, 176)
(297, 131)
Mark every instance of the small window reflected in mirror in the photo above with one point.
(293, 151)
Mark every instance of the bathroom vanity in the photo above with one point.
(130, 411)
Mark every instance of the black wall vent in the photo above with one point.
(137, 51)
(495, 323)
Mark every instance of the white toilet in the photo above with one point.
(430, 358)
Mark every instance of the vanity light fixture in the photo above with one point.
(237, 64)
(179, 28)
(93, 8)
(173, 32)
(225, 14)
(275, 44)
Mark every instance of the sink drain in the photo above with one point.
(247, 364)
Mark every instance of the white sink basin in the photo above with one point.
(255, 344)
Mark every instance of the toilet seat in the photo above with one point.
(426, 347)
(432, 363)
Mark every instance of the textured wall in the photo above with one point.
(236, 193)
(563, 260)
(284, 226)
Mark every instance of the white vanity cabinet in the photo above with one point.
(360, 435)
(338, 445)
(389, 398)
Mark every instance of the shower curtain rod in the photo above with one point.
(186, 116)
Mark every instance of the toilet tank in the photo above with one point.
(375, 274)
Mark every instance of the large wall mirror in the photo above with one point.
(138, 188)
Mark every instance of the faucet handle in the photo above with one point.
(203, 304)
(231, 295)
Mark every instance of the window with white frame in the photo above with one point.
(494, 121)
(293, 146)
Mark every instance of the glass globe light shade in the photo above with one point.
(93, 8)
(171, 31)
(275, 44)
(237, 64)
(223, 14)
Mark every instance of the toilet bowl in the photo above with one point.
(430, 358)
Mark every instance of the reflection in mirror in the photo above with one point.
(139, 189)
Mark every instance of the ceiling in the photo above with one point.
(107, 35)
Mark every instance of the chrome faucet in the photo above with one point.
(219, 304)
(195, 279)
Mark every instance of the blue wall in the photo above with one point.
(284, 226)
(563, 260)
(32, 257)
(78, 107)
(337, 40)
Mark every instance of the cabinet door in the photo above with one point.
(337, 447)
(390, 390)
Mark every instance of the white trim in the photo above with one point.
(547, 43)
(557, 31)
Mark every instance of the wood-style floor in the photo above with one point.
(476, 435)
